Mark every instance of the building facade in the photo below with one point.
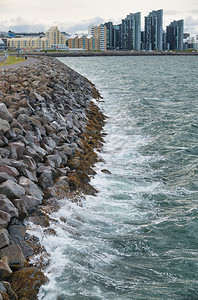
(52, 36)
(153, 26)
(131, 32)
(100, 34)
(175, 35)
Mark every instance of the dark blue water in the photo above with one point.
(138, 239)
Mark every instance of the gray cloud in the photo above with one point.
(21, 25)
(191, 25)
(81, 26)
(170, 12)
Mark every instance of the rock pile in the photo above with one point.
(48, 129)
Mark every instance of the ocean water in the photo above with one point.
(138, 238)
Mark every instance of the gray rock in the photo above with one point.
(30, 188)
(31, 202)
(46, 179)
(4, 219)
(53, 160)
(4, 126)
(18, 147)
(10, 134)
(5, 270)
(11, 189)
(9, 170)
(7, 206)
(68, 149)
(4, 152)
(23, 119)
(15, 256)
(21, 205)
(4, 176)
(4, 239)
(31, 175)
(29, 161)
(4, 113)
(28, 151)
(40, 151)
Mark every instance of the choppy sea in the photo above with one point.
(138, 238)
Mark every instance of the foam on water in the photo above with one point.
(137, 238)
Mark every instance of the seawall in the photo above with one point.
(49, 128)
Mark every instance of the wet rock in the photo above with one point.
(7, 206)
(5, 114)
(31, 202)
(4, 126)
(21, 205)
(4, 239)
(26, 282)
(5, 270)
(30, 188)
(10, 293)
(46, 179)
(11, 189)
(15, 256)
(4, 219)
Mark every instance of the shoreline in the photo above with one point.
(49, 128)
(104, 54)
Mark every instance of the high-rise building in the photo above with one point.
(117, 37)
(100, 34)
(110, 35)
(131, 32)
(153, 30)
(175, 35)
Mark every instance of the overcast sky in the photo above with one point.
(75, 15)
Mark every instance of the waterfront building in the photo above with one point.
(175, 35)
(110, 35)
(153, 25)
(100, 34)
(52, 36)
(131, 32)
(83, 42)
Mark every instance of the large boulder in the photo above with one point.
(21, 205)
(15, 256)
(9, 170)
(5, 176)
(5, 270)
(4, 219)
(4, 126)
(30, 188)
(11, 189)
(31, 203)
(7, 206)
(4, 113)
(46, 179)
(4, 239)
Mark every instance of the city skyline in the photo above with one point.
(77, 16)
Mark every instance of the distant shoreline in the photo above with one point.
(108, 53)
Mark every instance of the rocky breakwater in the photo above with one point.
(49, 128)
